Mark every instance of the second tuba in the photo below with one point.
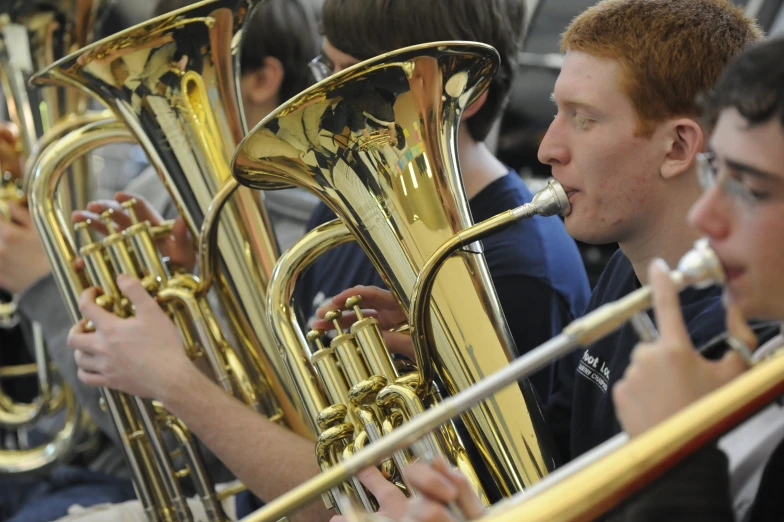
(170, 83)
(377, 143)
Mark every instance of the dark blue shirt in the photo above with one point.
(581, 413)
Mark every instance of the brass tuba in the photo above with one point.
(171, 83)
(32, 35)
(377, 143)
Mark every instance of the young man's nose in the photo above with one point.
(553, 150)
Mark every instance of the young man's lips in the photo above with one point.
(733, 272)
(570, 193)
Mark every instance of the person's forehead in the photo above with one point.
(588, 77)
(760, 146)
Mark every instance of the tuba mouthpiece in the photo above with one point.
(549, 201)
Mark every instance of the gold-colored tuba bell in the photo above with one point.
(377, 143)
(171, 83)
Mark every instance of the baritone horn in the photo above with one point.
(377, 143)
(171, 83)
(32, 35)
(698, 268)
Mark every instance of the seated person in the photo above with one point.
(740, 213)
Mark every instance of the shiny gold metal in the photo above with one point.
(171, 82)
(396, 402)
(32, 35)
(377, 143)
(698, 268)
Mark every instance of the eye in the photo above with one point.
(582, 122)
(748, 185)
(756, 192)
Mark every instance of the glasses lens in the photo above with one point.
(706, 171)
(319, 68)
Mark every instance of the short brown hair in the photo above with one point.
(670, 51)
(367, 28)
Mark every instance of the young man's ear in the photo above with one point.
(684, 140)
(262, 85)
(474, 107)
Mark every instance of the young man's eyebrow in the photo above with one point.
(573, 103)
(752, 171)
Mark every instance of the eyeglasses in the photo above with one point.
(321, 67)
(708, 173)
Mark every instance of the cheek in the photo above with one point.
(758, 240)
(619, 186)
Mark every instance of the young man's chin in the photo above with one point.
(584, 231)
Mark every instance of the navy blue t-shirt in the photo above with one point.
(581, 413)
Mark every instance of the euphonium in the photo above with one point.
(32, 35)
(587, 491)
(171, 81)
(377, 143)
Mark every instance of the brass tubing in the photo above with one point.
(285, 325)
(18, 370)
(202, 481)
(49, 167)
(549, 201)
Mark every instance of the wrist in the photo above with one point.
(180, 382)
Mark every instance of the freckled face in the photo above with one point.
(611, 176)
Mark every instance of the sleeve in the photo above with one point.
(41, 302)
(696, 489)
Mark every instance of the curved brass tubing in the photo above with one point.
(549, 201)
(41, 458)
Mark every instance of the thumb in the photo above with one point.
(399, 343)
(132, 288)
(387, 494)
(729, 367)
(666, 304)
(182, 251)
(738, 328)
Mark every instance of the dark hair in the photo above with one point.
(753, 84)
(282, 29)
(367, 28)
